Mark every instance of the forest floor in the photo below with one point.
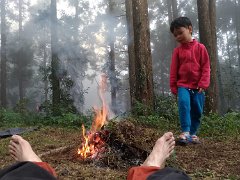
(130, 144)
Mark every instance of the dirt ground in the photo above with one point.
(127, 146)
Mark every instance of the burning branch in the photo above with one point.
(93, 143)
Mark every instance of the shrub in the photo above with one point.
(166, 106)
(215, 125)
(10, 118)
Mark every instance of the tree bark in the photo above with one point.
(143, 58)
(131, 51)
(221, 99)
(237, 26)
(45, 67)
(174, 9)
(3, 56)
(172, 14)
(76, 34)
(20, 79)
(207, 31)
(230, 89)
(55, 82)
(112, 63)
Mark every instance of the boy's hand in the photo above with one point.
(200, 90)
(175, 96)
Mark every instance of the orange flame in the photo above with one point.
(85, 148)
(88, 146)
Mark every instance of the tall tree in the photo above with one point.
(237, 26)
(231, 88)
(172, 10)
(112, 67)
(20, 77)
(172, 14)
(131, 51)
(44, 48)
(3, 55)
(143, 58)
(76, 33)
(54, 77)
(207, 31)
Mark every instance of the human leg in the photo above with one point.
(184, 109)
(26, 170)
(162, 149)
(21, 150)
(153, 167)
(184, 115)
(197, 103)
(169, 174)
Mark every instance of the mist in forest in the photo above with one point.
(87, 31)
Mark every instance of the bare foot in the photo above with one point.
(162, 149)
(21, 150)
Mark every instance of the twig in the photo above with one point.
(55, 150)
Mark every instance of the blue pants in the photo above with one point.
(190, 107)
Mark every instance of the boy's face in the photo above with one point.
(183, 34)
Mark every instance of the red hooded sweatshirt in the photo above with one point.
(190, 67)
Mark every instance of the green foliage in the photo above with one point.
(21, 106)
(166, 106)
(141, 109)
(10, 118)
(66, 100)
(158, 122)
(165, 115)
(65, 106)
(215, 125)
(66, 103)
(68, 120)
(21, 57)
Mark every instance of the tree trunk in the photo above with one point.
(221, 99)
(207, 31)
(55, 61)
(20, 79)
(3, 56)
(174, 9)
(131, 51)
(230, 89)
(237, 25)
(45, 67)
(76, 39)
(112, 63)
(143, 58)
(172, 14)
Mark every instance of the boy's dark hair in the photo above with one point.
(180, 22)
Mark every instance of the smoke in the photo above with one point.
(83, 45)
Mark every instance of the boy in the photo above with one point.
(189, 77)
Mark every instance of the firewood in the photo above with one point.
(57, 150)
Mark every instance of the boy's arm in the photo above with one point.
(205, 67)
(174, 72)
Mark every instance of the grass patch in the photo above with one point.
(221, 126)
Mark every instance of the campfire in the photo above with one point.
(94, 140)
